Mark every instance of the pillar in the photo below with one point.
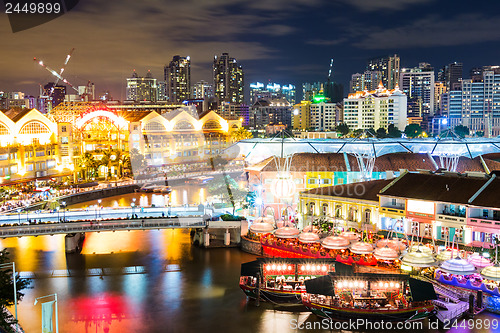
(227, 238)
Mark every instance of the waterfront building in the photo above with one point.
(228, 79)
(142, 89)
(37, 146)
(460, 206)
(388, 67)
(354, 205)
(418, 85)
(376, 109)
(177, 76)
(270, 112)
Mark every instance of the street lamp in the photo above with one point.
(133, 206)
(63, 204)
(57, 208)
(55, 301)
(15, 282)
(99, 201)
(19, 215)
(26, 208)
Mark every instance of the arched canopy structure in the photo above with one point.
(447, 149)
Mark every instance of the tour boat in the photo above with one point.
(281, 280)
(369, 296)
(306, 245)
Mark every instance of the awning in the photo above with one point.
(320, 286)
(421, 290)
(250, 268)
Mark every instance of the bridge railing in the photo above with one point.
(108, 225)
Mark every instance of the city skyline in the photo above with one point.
(288, 43)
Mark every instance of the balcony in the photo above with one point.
(393, 209)
(484, 222)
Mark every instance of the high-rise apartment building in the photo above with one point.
(228, 79)
(451, 75)
(162, 91)
(203, 90)
(439, 90)
(270, 112)
(476, 105)
(389, 69)
(418, 85)
(301, 116)
(142, 89)
(234, 111)
(309, 90)
(369, 80)
(57, 93)
(376, 109)
(177, 75)
(325, 116)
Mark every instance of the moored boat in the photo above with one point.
(281, 280)
(369, 296)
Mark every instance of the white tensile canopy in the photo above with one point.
(335, 242)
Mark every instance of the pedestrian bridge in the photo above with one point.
(113, 225)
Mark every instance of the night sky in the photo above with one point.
(277, 40)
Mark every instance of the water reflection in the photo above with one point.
(178, 288)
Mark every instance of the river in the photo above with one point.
(146, 281)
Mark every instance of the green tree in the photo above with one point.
(88, 165)
(7, 321)
(137, 161)
(381, 133)
(461, 130)
(227, 189)
(342, 129)
(241, 134)
(480, 134)
(217, 162)
(393, 131)
(413, 131)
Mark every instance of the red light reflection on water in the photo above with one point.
(103, 311)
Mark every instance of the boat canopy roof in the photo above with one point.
(421, 290)
(322, 285)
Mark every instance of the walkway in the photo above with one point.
(107, 225)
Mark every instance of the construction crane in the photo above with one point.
(56, 74)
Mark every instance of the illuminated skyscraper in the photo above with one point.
(228, 79)
(418, 85)
(260, 91)
(388, 67)
(141, 89)
(178, 79)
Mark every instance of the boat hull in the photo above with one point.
(343, 314)
(274, 296)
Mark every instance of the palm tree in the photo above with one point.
(87, 162)
(241, 134)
